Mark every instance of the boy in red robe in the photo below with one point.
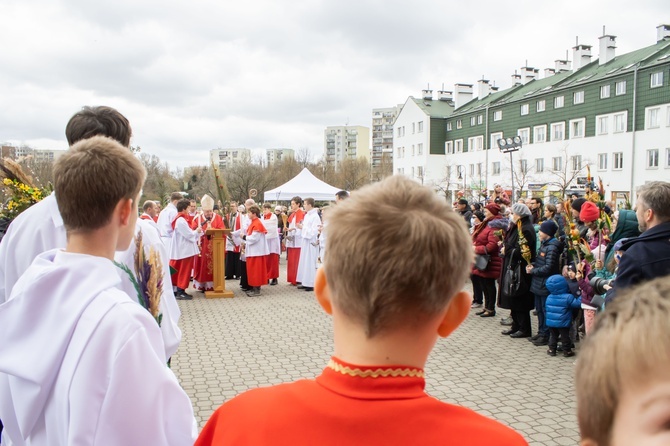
(294, 240)
(256, 252)
(203, 264)
(385, 324)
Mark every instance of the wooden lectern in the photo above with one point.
(218, 237)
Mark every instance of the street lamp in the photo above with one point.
(462, 175)
(510, 145)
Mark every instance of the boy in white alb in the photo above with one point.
(309, 251)
(81, 362)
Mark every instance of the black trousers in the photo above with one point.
(521, 321)
(553, 337)
(244, 282)
(233, 265)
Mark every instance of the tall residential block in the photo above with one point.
(346, 142)
(224, 158)
(382, 133)
(276, 155)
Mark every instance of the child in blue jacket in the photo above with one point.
(560, 303)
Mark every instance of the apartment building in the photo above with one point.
(276, 155)
(382, 134)
(224, 158)
(345, 142)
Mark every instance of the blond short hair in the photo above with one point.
(396, 254)
(629, 341)
(91, 178)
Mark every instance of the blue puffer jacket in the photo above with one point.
(546, 264)
(560, 302)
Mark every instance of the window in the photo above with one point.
(619, 122)
(525, 136)
(458, 146)
(576, 162)
(559, 101)
(577, 128)
(480, 119)
(419, 172)
(656, 79)
(448, 126)
(540, 133)
(618, 161)
(557, 163)
(524, 109)
(420, 124)
(473, 121)
(459, 124)
(558, 131)
(620, 88)
(541, 105)
(652, 158)
(667, 116)
(399, 132)
(602, 161)
(398, 152)
(494, 139)
(604, 91)
(412, 171)
(479, 169)
(523, 165)
(667, 157)
(497, 115)
(413, 127)
(472, 170)
(603, 123)
(449, 147)
(419, 149)
(495, 167)
(476, 143)
(653, 118)
(539, 165)
(413, 152)
(578, 97)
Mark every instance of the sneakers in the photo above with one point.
(506, 321)
(476, 305)
(551, 352)
(182, 295)
(255, 291)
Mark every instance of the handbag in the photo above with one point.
(482, 260)
(513, 284)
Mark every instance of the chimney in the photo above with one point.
(427, 94)
(516, 79)
(446, 96)
(561, 65)
(607, 47)
(462, 94)
(483, 88)
(581, 54)
(548, 72)
(494, 89)
(662, 32)
(529, 73)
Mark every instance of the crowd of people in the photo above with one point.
(88, 319)
(565, 266)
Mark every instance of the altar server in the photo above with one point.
(309, 251)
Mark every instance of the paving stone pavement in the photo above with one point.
(231, 345)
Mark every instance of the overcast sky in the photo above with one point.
(201, 74)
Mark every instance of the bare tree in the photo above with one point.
(354, 173)
(303, 157)
(564, 177)
(523, 173)
(244, 176)
(160, 180)
(447, 181)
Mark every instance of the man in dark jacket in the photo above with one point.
(464, 210)
(546, 264)
(647, 256)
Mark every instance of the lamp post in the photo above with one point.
(462, 175)
(510, 145)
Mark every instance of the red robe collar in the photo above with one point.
(256, 225)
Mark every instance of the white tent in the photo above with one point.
(303, 185)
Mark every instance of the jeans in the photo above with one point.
(540, 304)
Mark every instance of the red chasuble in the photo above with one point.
(257, 270)
(293, 254)
(349, 404)
(203, 265)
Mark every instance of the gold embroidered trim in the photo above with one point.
(377, 373)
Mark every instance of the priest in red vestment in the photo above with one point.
(294, 240)
(385, 325)
(203, 264)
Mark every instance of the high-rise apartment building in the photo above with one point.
(346, 142)
(276, 155)
(224, 158)
(382, 133)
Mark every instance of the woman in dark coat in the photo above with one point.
(485, 242)
(523, 301)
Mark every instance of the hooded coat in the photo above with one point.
(560, 302)
(547, 263)
(486, 242)
(627, 227)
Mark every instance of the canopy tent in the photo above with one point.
(304, 185)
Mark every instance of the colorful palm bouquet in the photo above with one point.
(22, 192)
(523, 244)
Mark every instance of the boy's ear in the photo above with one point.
(457, 311)
(322, 291)
(125, 208)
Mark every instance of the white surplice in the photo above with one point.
(272, 237)
(165, 219)
(309, 251)
(40, 228)
(184, 241)
(81, 363)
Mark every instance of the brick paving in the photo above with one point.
(231, 345)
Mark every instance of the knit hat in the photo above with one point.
(480, 215)
(577, 204)
(521, 209)
(619, 244)
(589, 212)
(549, 227)
(463, 201)
(493, 208)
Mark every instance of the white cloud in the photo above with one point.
(192, 76)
